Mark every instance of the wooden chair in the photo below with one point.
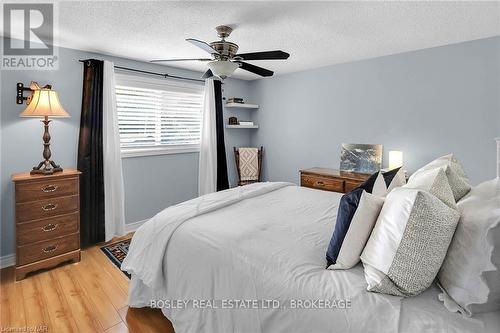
(259, 170)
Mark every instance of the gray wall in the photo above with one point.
(151, 183)
(425, 103)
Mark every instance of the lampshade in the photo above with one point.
(395, 159)
(44, 103)
(222, 69)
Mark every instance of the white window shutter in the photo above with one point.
(155, 114)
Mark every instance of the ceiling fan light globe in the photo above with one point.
(222, 69)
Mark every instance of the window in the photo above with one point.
(158, 116)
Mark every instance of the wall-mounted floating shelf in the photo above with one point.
(242, 106)
(242, 126)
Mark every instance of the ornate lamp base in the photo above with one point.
(47, 166)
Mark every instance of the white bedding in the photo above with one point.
(270, 246)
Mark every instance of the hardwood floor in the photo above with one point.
(89, 296)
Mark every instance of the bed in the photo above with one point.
(262, 246)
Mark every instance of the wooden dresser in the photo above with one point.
(47, 220)
(331, 179)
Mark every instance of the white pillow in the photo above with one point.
(359, 231)
(380, 187)
(457, 179)
(408, 243)
(470, 275)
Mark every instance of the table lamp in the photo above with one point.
(395, 159)
(44, 103)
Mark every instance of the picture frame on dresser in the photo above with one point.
(47, 220)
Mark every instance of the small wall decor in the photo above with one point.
(233, 121)
(361, 158)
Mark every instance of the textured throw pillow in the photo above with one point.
(436, 182)
(359, 231)
(408, 243)
(347, 207)
(470, 275)
(457, 179)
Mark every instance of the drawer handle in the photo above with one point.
(49, 249)
(49, 227)
(320, 183)
(49, 207)
(49, 188)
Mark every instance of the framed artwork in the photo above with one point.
(361, 158)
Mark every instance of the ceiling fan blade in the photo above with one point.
(208, 74)
(168, 60)
(255, 69)
(266, 55)
(202, 45)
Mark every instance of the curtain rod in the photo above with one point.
(152, 73)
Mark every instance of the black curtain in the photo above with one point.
(90, 155)
(222, 180)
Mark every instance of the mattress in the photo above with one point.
(258, 265)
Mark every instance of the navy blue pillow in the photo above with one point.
(347, 207)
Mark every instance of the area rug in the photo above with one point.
(117, 252)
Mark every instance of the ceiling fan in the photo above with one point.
(225, 59)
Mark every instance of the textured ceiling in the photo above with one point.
(316, 34)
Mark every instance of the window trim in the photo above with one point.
(160, 150)
(154, 83)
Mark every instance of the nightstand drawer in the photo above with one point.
(47, 249)
(322, 183)
(46, 208)
(47, 229)
(47, 189)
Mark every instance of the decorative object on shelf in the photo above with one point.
(233, 121)
(395, 159)
(235, 100)
(361, 158)
(245, 123)
(43, 102)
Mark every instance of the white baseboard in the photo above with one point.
(10, 259)
(130, 227)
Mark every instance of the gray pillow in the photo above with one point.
(457, 179)
(409, 242)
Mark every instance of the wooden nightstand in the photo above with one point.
(331, 179)
(47, 220)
